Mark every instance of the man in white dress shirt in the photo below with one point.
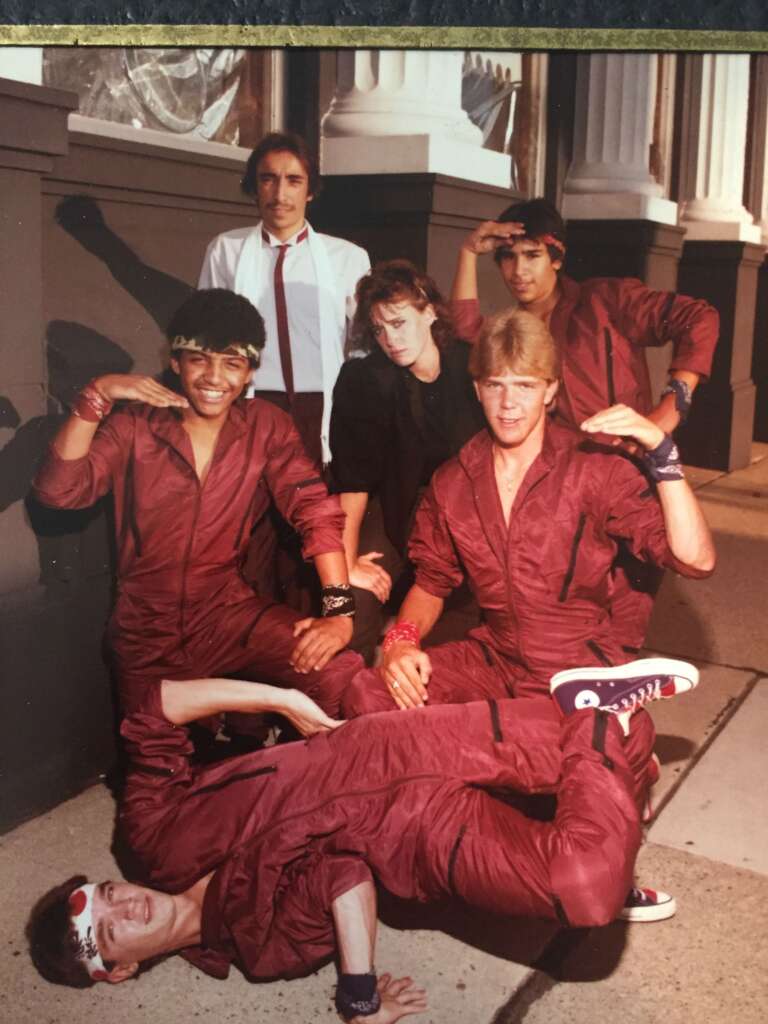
(302, 283)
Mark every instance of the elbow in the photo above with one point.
(707, 562)
(700, 566)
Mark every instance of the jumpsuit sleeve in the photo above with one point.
(431, 548)
(467, 321)
(358, 431)
(301, 934)
(648, 317)
(633, 515)
(295, 483)
(79, 483)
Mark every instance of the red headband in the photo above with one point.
(551, 240)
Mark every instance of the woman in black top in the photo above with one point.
(398, 413)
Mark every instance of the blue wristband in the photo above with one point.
(663, 462)
(357, 996)
(683, 396)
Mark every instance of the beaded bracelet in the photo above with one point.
(90, 405)
(682, 393)
(337, 600)
(663, 462)
(408, 631)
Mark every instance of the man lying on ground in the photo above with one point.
(267, 860)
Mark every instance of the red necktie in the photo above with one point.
(283, 335)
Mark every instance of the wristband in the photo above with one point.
(401, 631)
(663, 462)
(337, 600)
(91, 405)
(356, 995)
(682, 393)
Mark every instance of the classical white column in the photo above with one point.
(715, 103)
(397, 111)
(609, 178)
(757, 189)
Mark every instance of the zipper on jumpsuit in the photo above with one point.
(187, 553)
(609, 366)
(215, 458)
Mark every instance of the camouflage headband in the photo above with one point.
(180, 343)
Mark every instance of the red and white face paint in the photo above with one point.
(81, 915)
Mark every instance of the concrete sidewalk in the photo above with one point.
(708, 845)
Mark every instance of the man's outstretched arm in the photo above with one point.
(186, 700)
(354, 918)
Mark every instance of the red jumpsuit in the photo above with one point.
(183, 608)
(286, 830)
(543, 584)
(602, 327)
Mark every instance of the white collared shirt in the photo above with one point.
(348, 263)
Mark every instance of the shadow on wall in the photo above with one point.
(75, 354)
(159, 293)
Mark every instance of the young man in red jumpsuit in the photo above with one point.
(602, 327)
(269, 858)
(191, 471)
(532, 515)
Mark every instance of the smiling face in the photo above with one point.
(404, 332)
(529, 271)
(132, 923)
(515, 406)
(282, 192)
(211, 381)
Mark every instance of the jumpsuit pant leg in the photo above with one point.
(462, 671)
(466, 671)
(264, 657)
(576, 869)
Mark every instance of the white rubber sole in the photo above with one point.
(685, 675)
(664, 908)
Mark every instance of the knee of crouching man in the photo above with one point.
(588, 889)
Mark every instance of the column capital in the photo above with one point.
(714, 131)
(610, 177)
(399, 111)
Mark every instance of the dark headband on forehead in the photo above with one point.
(543, 239)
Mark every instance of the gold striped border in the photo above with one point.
(395, 37)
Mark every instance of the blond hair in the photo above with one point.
(514, 341)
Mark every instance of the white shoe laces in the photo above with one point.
(650, 690)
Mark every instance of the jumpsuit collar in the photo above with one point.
(476, 458)
(166, 424)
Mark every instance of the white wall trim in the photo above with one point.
(151, 136)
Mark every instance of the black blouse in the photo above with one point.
(390, 431)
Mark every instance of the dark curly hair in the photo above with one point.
(281, 142)
(391, 281)
(218, 318)
(538, 217)
(52, 940)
